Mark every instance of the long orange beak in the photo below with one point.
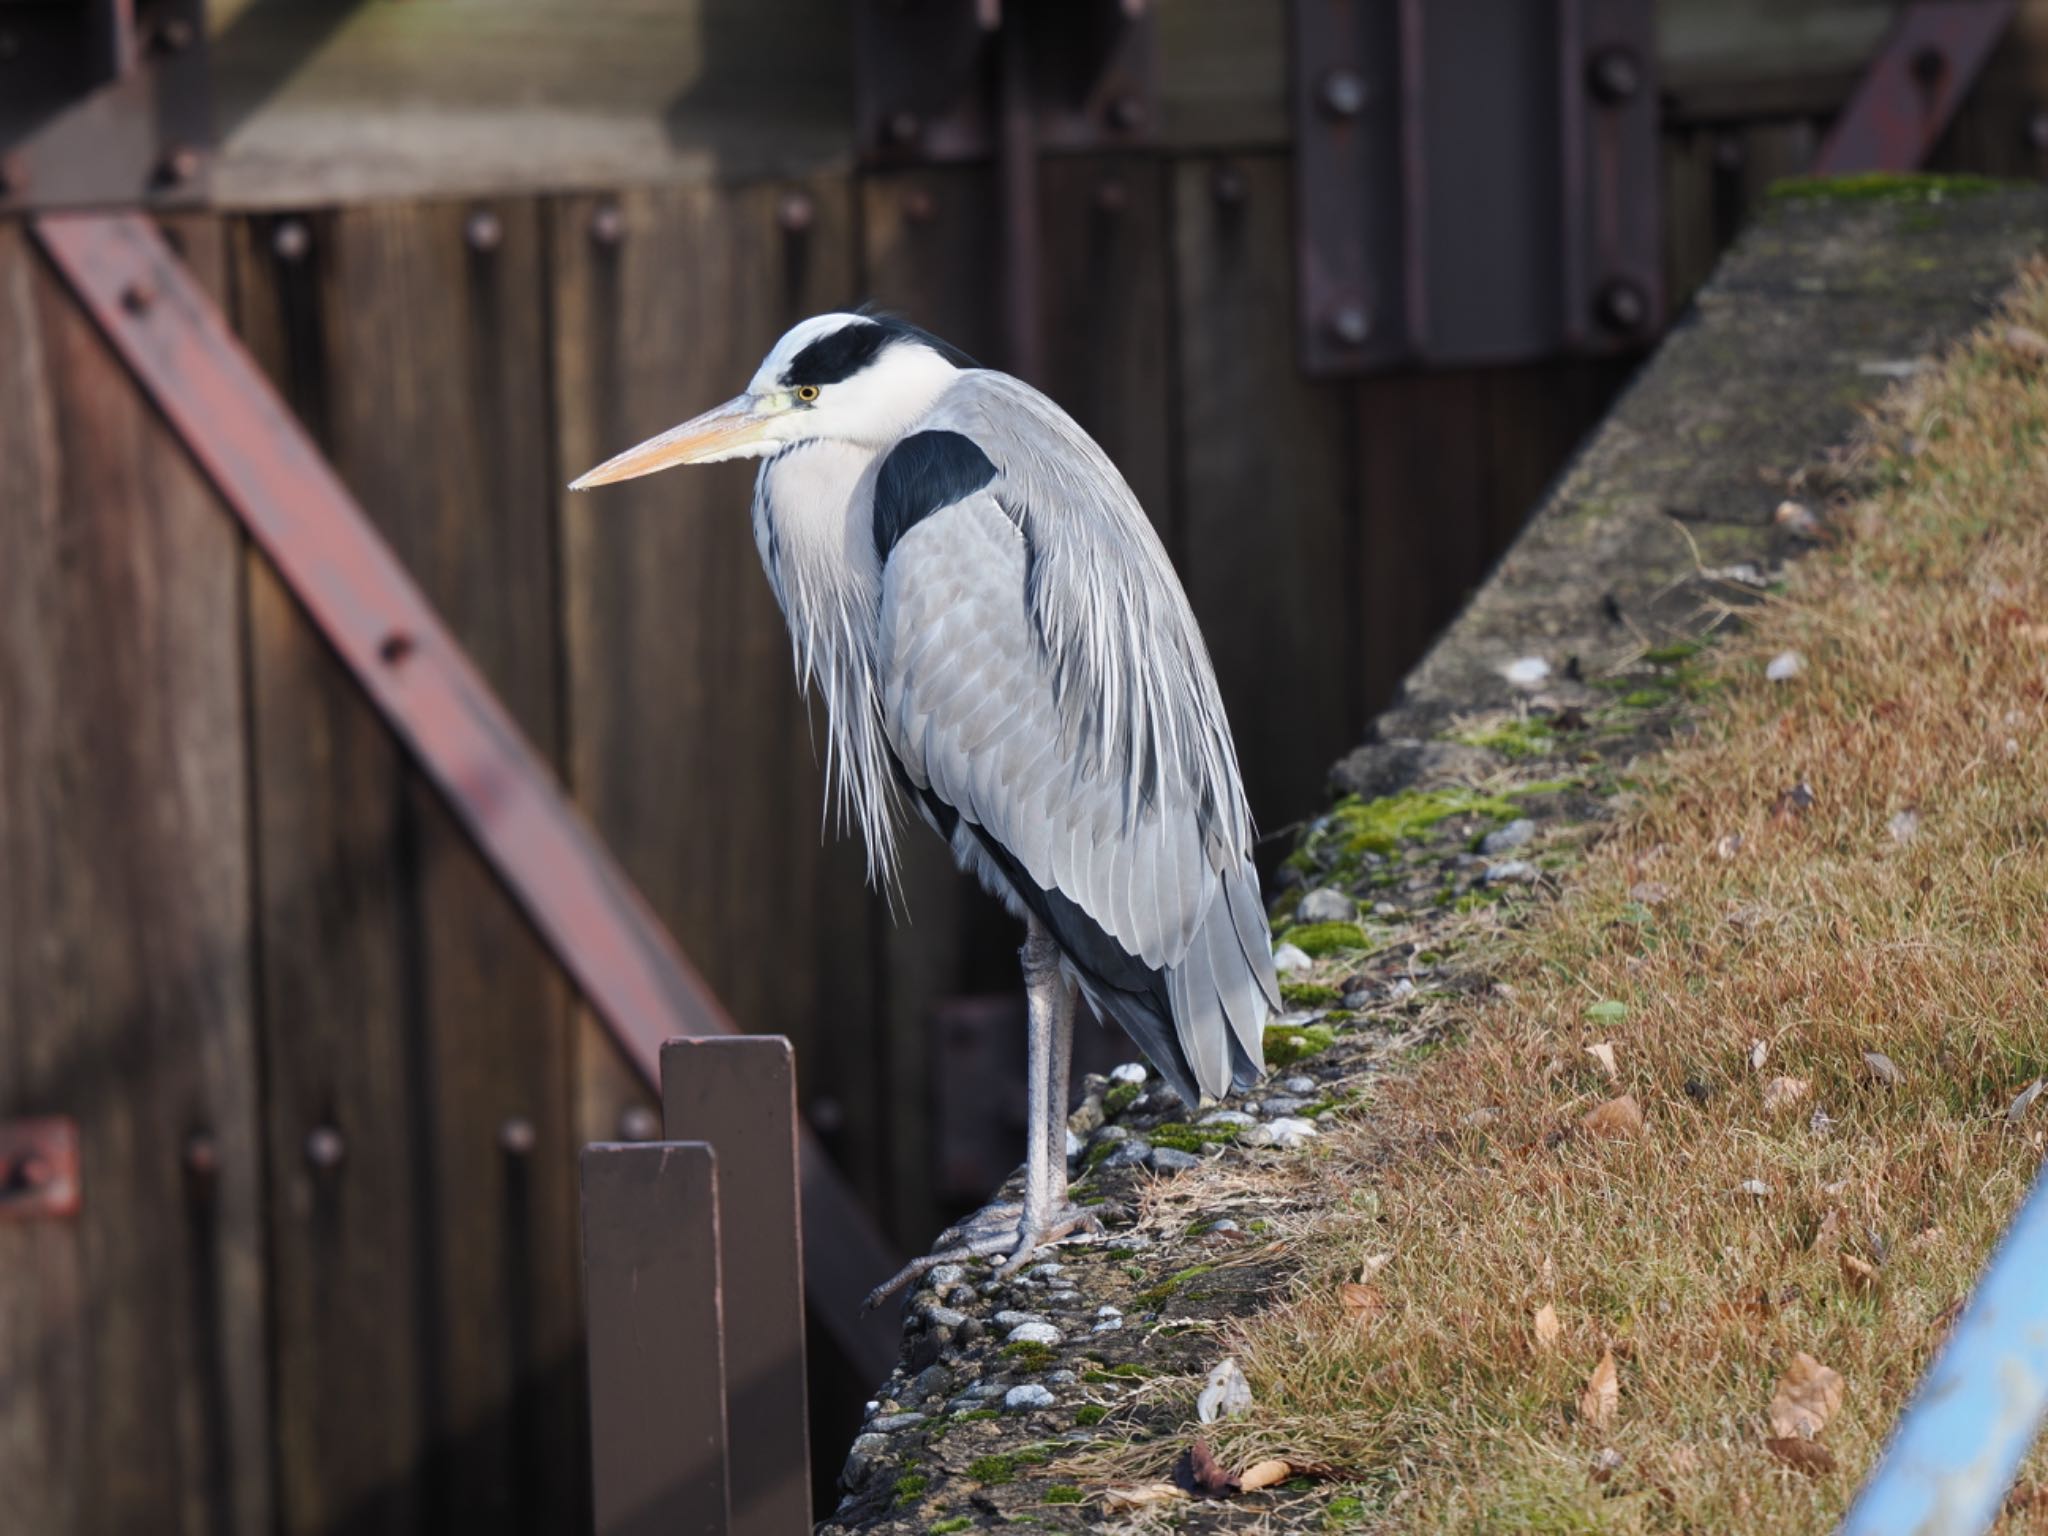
(719, 433)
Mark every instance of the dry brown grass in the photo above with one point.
(1904, 912)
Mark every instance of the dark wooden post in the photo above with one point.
(739, 1094)
(657, 1371)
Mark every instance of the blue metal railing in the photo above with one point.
(1960, 1442)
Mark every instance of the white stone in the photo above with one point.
(1290, 957)
(1010, 1318)
(1030, 1395)
(1526, 671)
(1785, 666)
(1326, 906)
(1286, 1133)
(1034, 1333)
(1511, 872)
(1505, 839)
(1129, 1072)
(1236, 1117)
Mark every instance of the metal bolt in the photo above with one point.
(902, 127)
(1345, 93)
(394, 648)
(1623, 306)
(516, 1136)
(1929, 65)
(1351, 324)
(137, 298)
(1615, 75)
(483, 232)
(179, 165)
(202, 1155)
(796, 212)
(639, 1123)
(917, 205)
(174, 35)
(1127, 112)
(1112, 195)
(291, 240)
(1226, 185)
(325, 1149)
(607, 224)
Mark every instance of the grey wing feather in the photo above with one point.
(1091, 746)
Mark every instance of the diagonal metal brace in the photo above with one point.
(248, 443)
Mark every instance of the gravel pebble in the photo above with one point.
(1131, 1153)
(1286, 1134)
(888, 1424)
(1296, 1084)
(1326, 906)
(1290, 957)
(1236, 1117)
(1510, 872)
(1075, 1146)
(944, 1317)
(1030, 1395)
(1107, 1324)
(1109, 1309)
(944, 1275)
(1173, 1160)
(1286, 1104)
(1013, 1319)
(1506, 839)
(1060, 1378)
(1129, 1072)
(1035, 1333)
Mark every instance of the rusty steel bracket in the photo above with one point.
(1910, 93)
(325, 548)
(928, 75)
(103, 102)
(38, 1168)
(1476, 180)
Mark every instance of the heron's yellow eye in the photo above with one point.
(807, 393)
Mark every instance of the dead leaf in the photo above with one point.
(1621, 1117)
(1781, 1093)
(1547, 1327)
(1801, 1455)
(1143, 1496)
(1808, 1395)
(1373, 1264)
(1759, 1053)
(1604, 1054)
(1727, 845)
(1362, 1303)
(1858, 1274)
(1883, 1069)
(1756, 1188)
(2017, 1110)
(1602, 1397)
(1264, 1474)
(1606, 1462)
(1200, 1472)
(1225, 1394)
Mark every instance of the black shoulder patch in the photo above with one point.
(924, 472)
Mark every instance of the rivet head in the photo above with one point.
(1112, 195)
(1351, 323)
(1226, 185)
(796, 212)
(483, 232)
(1623, 306)
(639, 1123)
(607, 224)
(291, 240)
(202, 1155)
(325, 1149)
(1615, 75)
(517, 1137)
(1344, 93)
(394, 648)
(174, 35)
(137, 298)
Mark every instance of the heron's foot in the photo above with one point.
(1061, 1223)
(994, 1229)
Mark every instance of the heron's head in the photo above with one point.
(843, 378)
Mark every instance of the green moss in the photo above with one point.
(1530, 736)
(1646, 698)
(1002, 1467)
(1029, 1353)
(1090, 1413)
(1338, 1015)
(1092, 1159)
(1119, 1253)
(910, 1488)
(949, 1525)
(1121, 1096)
(1307, 994)
(1325, 938)
(1160, 1292)
(976, 1416)
(1881, 187)
(1287, 1044)
(1111, 1373)
(1670, 655)
(1064, 1493)
(1382, 825)
(1194, 1138)
(1343, 1512)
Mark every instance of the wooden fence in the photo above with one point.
(330, 1087)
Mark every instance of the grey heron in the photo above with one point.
(1001, 641)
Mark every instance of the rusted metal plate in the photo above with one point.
(1914, 85)
(654, 1310)
(1476, 180)
(103, 101)
(38, 1168)
(928, 73)
(739, 1095)
(357, 592)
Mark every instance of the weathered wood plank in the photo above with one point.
(426, 1288)
(1266, 520)
(325, 103)
(132, 1388)
(690, 746)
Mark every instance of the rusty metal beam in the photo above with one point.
(1913, 87)
(246, 440)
